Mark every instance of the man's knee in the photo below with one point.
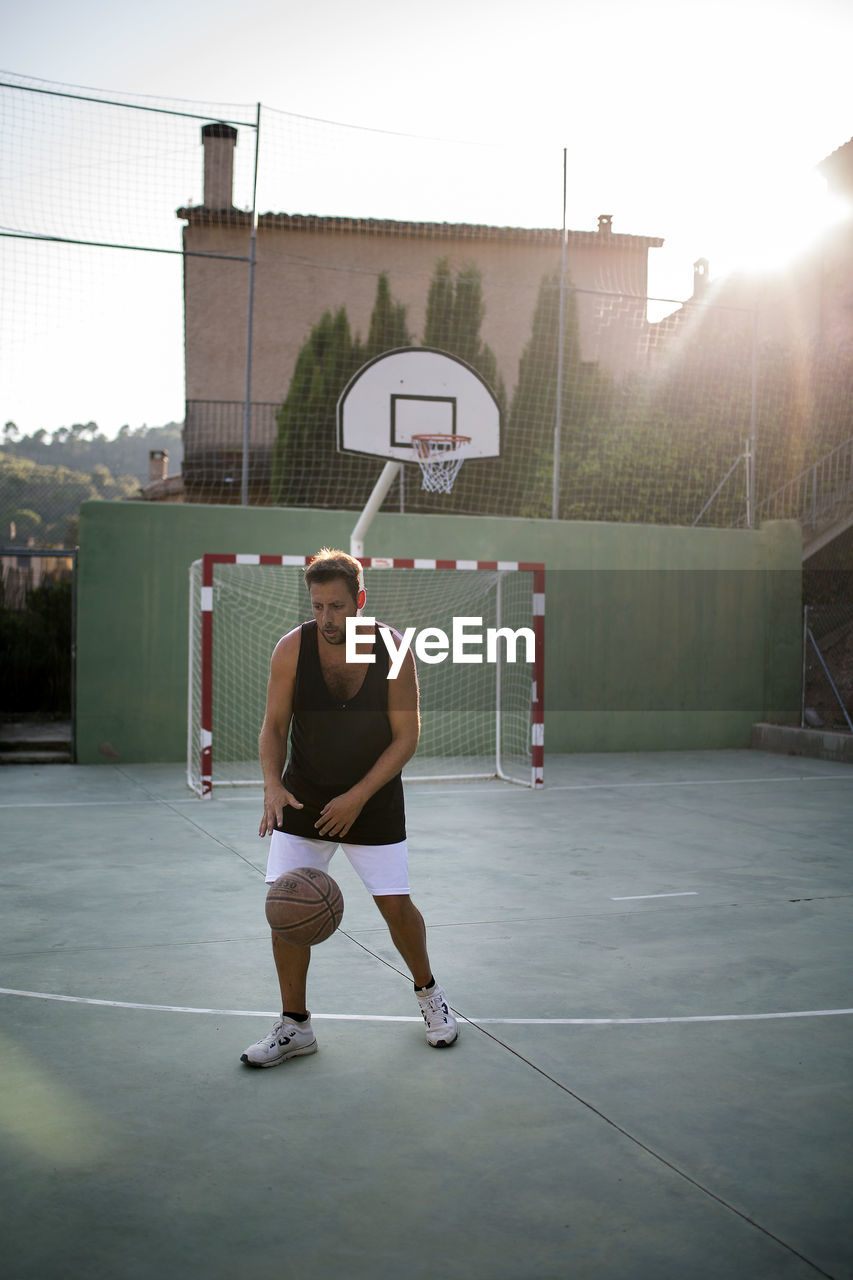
(394, 906)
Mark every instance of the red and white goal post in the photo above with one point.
(481, 716)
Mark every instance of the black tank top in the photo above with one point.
(333, 744)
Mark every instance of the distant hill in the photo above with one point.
(81, 448)
(39, 504)
(44, 478)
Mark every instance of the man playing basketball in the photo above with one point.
(352, 731)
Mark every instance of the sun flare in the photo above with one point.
(777, 224)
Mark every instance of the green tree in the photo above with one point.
(307, 469)
(51, 496)
(586, 403)
(388, 329)
(25, 523)
(101, 478)
(681, 427)
(126, 455)
(438, 331)
(304, 446)
(454, 317)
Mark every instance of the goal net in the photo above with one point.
(479, 718)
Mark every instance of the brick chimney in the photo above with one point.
(605, 224)
(218, 141)
(158, 464)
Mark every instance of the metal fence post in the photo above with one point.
(753, 420)
(558, 413)
(247, 406)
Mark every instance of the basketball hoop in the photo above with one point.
(439, 458)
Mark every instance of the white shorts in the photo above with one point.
(383, 868)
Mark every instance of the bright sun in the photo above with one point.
(774, 224)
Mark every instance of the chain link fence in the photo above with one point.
(145, 241)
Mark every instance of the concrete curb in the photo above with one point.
(821, 744)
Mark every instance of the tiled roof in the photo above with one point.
(198, 216)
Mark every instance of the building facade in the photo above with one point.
(305, 266)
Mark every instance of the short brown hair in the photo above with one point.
(329, 564)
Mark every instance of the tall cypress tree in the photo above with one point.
(454, 317)
(307, 469)
(586, 402)
(439, 314)
(305, 443)
(388, 329)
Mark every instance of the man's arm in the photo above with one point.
(272, 741)
(339, 814)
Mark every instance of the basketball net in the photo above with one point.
(439, 458)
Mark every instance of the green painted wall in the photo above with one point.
(656, 637)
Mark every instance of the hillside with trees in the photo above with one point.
(39, 504)
(82, 447)
(44, 478)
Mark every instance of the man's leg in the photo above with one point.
(408, 933)
(286, 853)
(291, 966)
(292, 1034)
(384, 871)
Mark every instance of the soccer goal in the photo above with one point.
(482, 715)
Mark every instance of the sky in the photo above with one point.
(698, 122)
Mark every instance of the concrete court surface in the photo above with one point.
(655, 1083)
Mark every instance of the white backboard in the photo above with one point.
(413, 391)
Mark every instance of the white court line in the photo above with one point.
(83, 804)
(703, 782)
(381, 1017)
(459, 790)
(636, 897)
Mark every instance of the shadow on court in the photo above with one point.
(654, 955)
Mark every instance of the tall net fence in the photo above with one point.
(229, 267)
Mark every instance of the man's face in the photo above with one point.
(332, 604)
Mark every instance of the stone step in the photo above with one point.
(39, 755)
(32, 740)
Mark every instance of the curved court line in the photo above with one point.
(383, 1017)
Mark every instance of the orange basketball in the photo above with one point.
(304, 906)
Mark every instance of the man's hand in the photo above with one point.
(276, 800)
(339, 814)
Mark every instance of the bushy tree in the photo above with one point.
(388, 328)
(307, 469)
(40, 500)
(586, 405)
(454, 317)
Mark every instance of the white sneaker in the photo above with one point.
(288, 1039)
(441, 1028)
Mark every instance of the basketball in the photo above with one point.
(304, 906)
